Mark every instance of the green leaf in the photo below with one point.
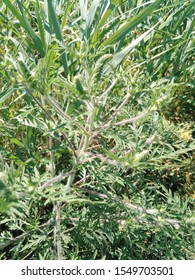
(57, 29)
(83, 8)
(17, 142)
(91, 13)
(3, 205)
(16, 13)
(184, 15)
(65, 83)
(105, 15)
(6, 94)
(40, 24)
(131, 24)
(26, 25)
(118, 58)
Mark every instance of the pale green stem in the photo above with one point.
(83, 143)
(58, 110)
(50, 118)
(89, 128)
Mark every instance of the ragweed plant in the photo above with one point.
(88, 153)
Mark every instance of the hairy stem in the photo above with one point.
(49, 117)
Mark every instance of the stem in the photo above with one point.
(57, 207)
(58, 230)
(58, 110)
(104, 159)
(109, 125)
(25, 234)
(88, 127)
(83, 143)
(107, 90)
(56, 179)
(153, 212)
(49, 117)
(71, 178)
(51, 156)
(118, 109)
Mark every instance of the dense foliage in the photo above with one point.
(97, 129)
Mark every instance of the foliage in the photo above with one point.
(96, 129)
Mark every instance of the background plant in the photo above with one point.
(97, 147)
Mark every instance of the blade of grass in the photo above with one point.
(132, 23)
(4, 95)
(105, 15)
(68, 7)
(40, 24)
(36, 40)
(118, 58)
(16, 13)
(83, 9)
(26, 25)
(184, 15)
(91, 13)
(57, 29)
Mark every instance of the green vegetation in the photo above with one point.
(97, 129)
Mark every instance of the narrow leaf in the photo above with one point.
(108, 9)
(184, 15)
(131, 24)
(17, 142)
(118, 58)
(83, 8)
(6, 94)
(91, 13)
(58, 33)
(40, 24)
(26, 25)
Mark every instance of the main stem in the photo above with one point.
(83, 143)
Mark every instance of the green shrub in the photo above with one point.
(96, 130)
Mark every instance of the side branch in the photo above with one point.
(140, 209)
